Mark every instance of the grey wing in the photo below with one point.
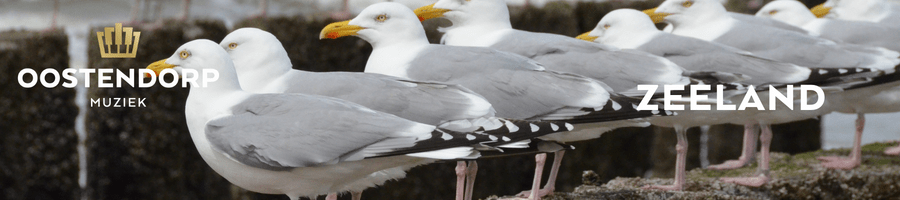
(794, 48)
(767, 22)
(424, 102)
(620, 69)
(517, 87)
(699, 55)
(531, 44)
(285, 131)
(892, 20)
(864, 33)
(518, 92)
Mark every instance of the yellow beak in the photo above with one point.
(656, 17)
(339, 29)
(429, 12)
(586, 37)
(158, 66)
(820, 10)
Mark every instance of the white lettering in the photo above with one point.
(787, 100)
(650, 90)
(162, 80)
(804, 89)
(696, 97)
(720, 99)
(69, 75)
(44, 78)
(668, 96)
(34, 80)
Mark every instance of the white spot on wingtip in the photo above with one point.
(655, 112)
(859, 69)
(822, 71)
(493, 138)
(616, 105)
(569, 127)
(842, 71)
(470, 137)
(506, 139)
(534, 128)
(554, 126)
(446, 136)
(512, 127)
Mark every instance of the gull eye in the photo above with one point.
(687, 4)
(381, 18)
(773, 12)
(232, 45)
(184, 54)
(606, 26)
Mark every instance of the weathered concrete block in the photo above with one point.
(147, 153)
(37, 125)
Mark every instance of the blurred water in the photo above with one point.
(839, 128)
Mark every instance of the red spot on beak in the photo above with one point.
(332, 35)
(421, 19)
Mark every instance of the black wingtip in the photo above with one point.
(619, 107)
(518, 130)
(536, 146)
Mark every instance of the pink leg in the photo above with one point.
(470, 178)
(460, 180)
(356, 195)
(680, 159)
(837, 162)
(766, 139)
(332, 196)
(539, 161)
(893, 150)
(551, 181)
(747, 154)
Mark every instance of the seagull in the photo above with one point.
(263, 66)
(739, 16)
(878, 11)
(518, 87)
(854, 32)
(299, 144)
(623, 70)
(707, 20)
(473, 27)
(631, 29)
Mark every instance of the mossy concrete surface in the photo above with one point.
(38, 156)
(793, 177)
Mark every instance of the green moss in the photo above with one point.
(877, 147)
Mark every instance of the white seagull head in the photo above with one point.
(688, 12)
(200, 55)
(791, 12)
(252, 49)
(467, 12)
(620, 25)
(380, 24)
